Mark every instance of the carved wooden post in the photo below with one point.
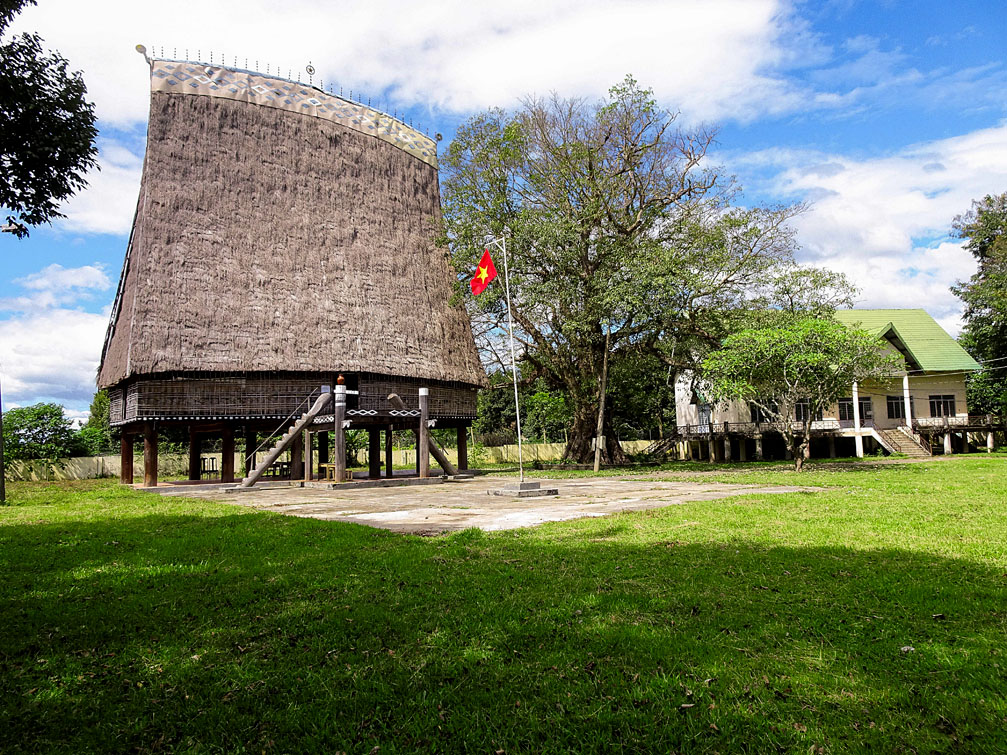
(423, 438)
(227, 455)
(463, 449)
(374, 453)
(194, 454)
(126, 458)
(339, 412)
(389, 451)
(149, 455)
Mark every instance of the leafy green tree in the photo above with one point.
(40, 431)
(96, 436)
(807, 360)
(621, 239)
(546, 415)
(47, 129)
(984, 228)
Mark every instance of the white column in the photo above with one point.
(947, 442)
(908, 400)
(856, 422)
(989, 442)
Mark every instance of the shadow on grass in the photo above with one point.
(273, 633)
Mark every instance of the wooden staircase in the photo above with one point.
(902, 443)
(286, 439)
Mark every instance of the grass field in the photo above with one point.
(871, 616)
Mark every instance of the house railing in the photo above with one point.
(961, 421)
(752, 428)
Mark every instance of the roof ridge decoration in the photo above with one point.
(186, 77)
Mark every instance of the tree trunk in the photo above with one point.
(578, 446)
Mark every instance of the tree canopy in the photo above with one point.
(984, 229)
(47, 129)
(618, 232)
(40, 431)
(801, 360)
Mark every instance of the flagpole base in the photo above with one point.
(524, 490)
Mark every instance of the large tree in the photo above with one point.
(621, 241)
(984, 229)
(40, 431)
(793, 370)
(47, 128)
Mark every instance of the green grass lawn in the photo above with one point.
(756, 624)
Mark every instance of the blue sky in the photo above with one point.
(887, 117)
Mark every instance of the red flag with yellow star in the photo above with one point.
(485, 273)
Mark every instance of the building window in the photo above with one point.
(759, 414)
(942, 406)
(705, 414)
(896, 407)
(866, 410)
(846, 410)
(802, 411)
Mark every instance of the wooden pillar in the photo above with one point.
(858, 438)
(126, 458)
(308, 456)
(463, 449)
(374, 453)
(758, 448)
(389, 451)
(227, 455)
(423, 436)
(339, 450)
(251, 443)
(149, 455)
(832, 446)
(195, 449)
(297, 457)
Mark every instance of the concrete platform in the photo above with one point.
(457, 505)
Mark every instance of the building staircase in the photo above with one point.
(286, 439)
(660, 448)
(899, 441)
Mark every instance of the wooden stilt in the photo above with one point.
(297, 457)
(149, 455)
(227, 455)
(126, 459)
(251, 443)
(308, 456)
(374, 453)
(463, 449)
(423, 438)
(195, 450)
(389, 451)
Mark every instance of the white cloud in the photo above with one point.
(52, 355)
(56, 285)
(713, 58)
(108, 202)
(885, 221)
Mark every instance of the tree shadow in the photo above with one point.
(240, 631)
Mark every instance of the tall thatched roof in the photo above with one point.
(291, 233)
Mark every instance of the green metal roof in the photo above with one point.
(928, 343)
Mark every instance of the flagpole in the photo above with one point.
(502, 243)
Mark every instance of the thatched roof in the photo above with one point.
(266, 239)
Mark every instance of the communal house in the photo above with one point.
(283, 243)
